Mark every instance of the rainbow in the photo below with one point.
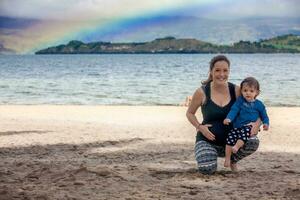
(53, 32)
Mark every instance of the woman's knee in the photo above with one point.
(249, 148)
(252, 144)
(207, 169)
(206, 157)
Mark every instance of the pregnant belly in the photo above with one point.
(220, 131)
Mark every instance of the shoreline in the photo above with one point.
(182, 104)
(139, 152)
(130, 119)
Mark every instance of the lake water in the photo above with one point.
(138, 79)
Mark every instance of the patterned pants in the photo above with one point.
(236, 134)
(206, 154)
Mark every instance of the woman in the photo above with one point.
(215, 97)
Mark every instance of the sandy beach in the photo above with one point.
(135, 152)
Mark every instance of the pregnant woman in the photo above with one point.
(215, 97)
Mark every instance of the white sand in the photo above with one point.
(138, 152)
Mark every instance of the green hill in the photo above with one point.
(280, 44)
(284, 42)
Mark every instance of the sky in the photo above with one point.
(26, 26)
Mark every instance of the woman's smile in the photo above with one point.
(220, 72)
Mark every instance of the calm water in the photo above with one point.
(138, 79)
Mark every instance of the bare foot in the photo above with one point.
(235, 149)
(233, 167)
(227, 163)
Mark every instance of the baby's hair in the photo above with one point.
(251, 82)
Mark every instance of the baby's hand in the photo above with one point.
(266, 127)
(226, 121)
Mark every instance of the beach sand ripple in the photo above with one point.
(66, 158)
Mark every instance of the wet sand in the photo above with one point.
(135, 152)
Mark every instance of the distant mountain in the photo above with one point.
(213, 31)
(5, 51)
(281, 44)
(144, 29)
(16, 23)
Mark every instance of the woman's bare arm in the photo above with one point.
(255, 127)
(237, 91)
(197, 100)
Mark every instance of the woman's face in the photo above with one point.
(220, 72)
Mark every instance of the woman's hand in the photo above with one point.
(206, 132)
(266, 127)
(255, 127)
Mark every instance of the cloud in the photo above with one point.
(101, 9)
(31, 24)
(255, 8)
(86, 9)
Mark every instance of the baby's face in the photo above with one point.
(249, 92)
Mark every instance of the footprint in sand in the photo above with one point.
(293, 193)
